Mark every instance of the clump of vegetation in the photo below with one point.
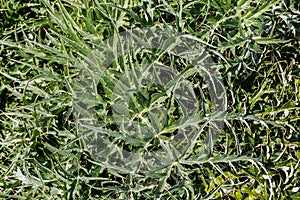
(44, 45)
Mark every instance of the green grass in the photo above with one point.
(43, 47)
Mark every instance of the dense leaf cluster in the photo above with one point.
(255, 45)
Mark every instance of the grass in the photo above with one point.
(44, 47)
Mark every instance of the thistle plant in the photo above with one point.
(149, 99)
